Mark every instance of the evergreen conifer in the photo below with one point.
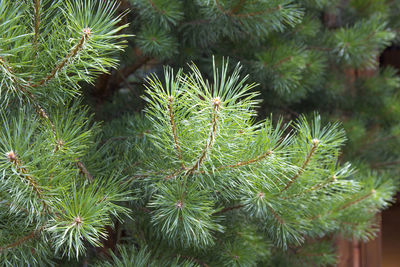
(199, 179)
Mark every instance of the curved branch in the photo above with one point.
(355, 201)
(244, 163)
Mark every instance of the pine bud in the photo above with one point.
(12, 157)
(216, 103)
(87, 31)
(59, 145)
(179, 204)
(78, 221)
(315, 141)
(261, 195)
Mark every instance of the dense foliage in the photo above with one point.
(197, 178)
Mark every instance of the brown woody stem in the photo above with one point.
(276, 216)
(348, 204)
(173, 127)
(244, 163)
(22, 240)
(37, 22)
(351, 203)
(62, 64)
(228, 209)
(315, 187)
(83, 170)
(211, 139)
(13, 158)
(156, 8)
(39, 110)
(233, 12)
(304, 165)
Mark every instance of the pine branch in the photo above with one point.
(314, 188)
(279, 63)
(385, 164)
(315, 143)
(22, 240)
(173, 127)
(78, 47)
(13, 158)
(156, 7)
(211, 138)
(194, 259)
(83, 170)
(196, 22)
(355, 201)
(37, 22)
(107, 84)
(228, 209)
(276, 216)
(232, 13)
(251, 161)
(175, 173)
(244, 163)
(39, 110)
(347, 205)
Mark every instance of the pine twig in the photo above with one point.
(37, 22)
(384, 164)
(13, 158)
(211, 138)
(243, 163)
(315, 143)
(78, 47)
(348, 204)
(156, 7)
(84, 170)
(173, 128)
(228, 209)
(248, 162)
(38, 108)
(232, 13)
(351, 203)
(22, 240)
(315, 187)
(276, 216)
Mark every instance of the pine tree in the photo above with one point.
(52, 206)
(198, 179)
(306, 55)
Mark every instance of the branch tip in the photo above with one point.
(12, 157)
(87, 32)
(78, 220)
